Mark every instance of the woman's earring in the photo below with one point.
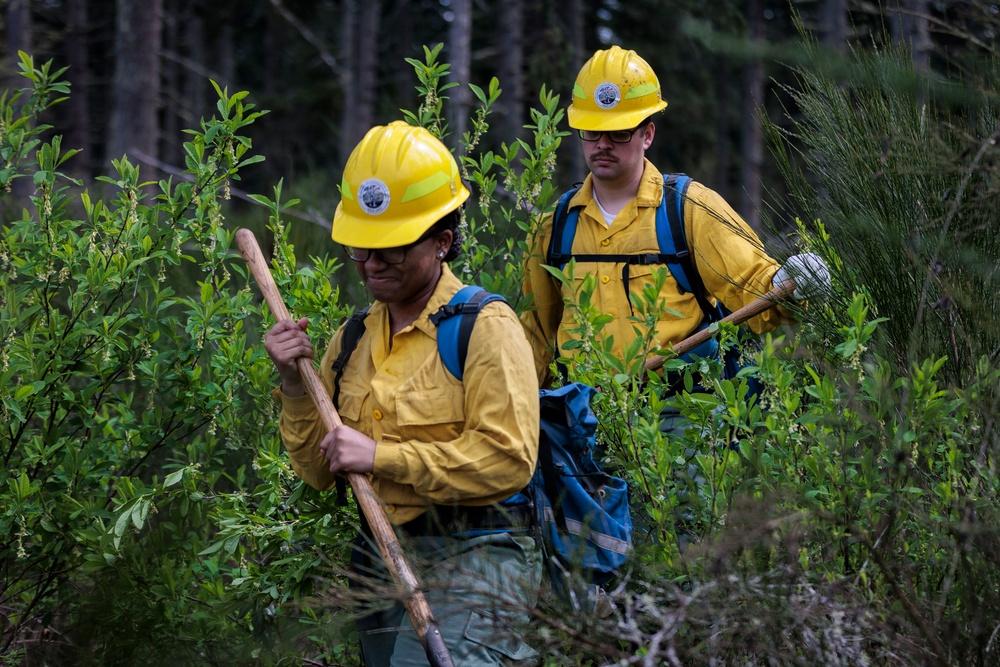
(440, 255)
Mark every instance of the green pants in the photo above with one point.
(479, 589)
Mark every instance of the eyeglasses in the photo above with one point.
(615, 136)
(395, 255)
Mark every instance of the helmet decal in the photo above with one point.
(607, 95)
(373, 196)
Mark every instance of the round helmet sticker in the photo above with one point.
(373, 196)
(607, 95)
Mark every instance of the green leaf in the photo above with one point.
(212, 548)
(231, 543)
(251, 160)
(138, 513)
(174, 477)
(24, 391)
(122, 521)
(478, 92)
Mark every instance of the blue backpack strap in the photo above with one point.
(564, 222)
(454, 322)
(670, 227)
(672, 238)
(675, 188)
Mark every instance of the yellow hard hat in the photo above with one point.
(615, 90)
(397, 183)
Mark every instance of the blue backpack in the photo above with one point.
(580, 512)
(674, 253)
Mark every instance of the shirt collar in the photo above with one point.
(650, 188)
(446, 288)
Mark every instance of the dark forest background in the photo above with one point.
(329, 70)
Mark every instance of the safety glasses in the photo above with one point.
(395, 255)
(615, 136)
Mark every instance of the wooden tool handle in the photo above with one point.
(414, 601)
(758, 306)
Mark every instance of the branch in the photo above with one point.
(308, 35)
(138, 155)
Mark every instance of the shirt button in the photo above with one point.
(606, 242)
(377, 415)
(605, 280)
(391, 509)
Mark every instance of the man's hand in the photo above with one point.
(809, 273)
(286, 343)
(348, 450)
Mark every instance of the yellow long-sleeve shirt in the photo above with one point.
(727, 254)
(439, 440)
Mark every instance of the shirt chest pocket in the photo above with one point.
(430, 405)
(351, 403)
(643, 276)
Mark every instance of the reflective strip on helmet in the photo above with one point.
(642, 91)
(423, 188)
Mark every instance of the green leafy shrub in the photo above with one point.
(130, 411)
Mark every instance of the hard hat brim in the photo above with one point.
(370, 232)
(603, 121)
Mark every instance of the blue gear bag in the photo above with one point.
(581, 511)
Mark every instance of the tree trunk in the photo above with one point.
(367, 73)
(225, 56)
(404, 79)
(134, 125)
(753, 142)
(460, 57)
(348, 83)
(19, 34)
(196, 81)
(77, 134)
(910, 28)
(510, 71)
(575, 166)
(176, 16)
(834, 15)
(724, 105)
(18, 20)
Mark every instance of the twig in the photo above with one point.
(309, 36)
(313, 218)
